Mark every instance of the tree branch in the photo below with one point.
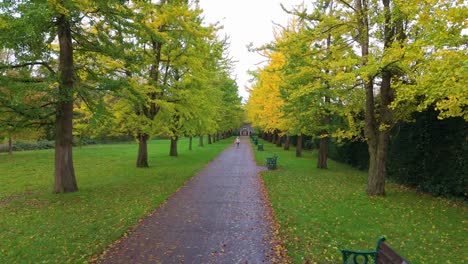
(43, 63)
(348, 5)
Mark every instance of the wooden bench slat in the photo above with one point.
(386, 255)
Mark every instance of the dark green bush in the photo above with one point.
(18, 146)
(428, 154)
(44, 144)
(354, 153)
(431, 155)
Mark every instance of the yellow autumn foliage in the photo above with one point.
(264, 107)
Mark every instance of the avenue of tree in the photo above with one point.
(355, 69)
(88, 68)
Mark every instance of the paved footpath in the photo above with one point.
(218, 217)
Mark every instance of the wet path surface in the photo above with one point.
(218, 217)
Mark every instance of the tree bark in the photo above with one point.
(376, 131)
(323, 153)
(65, 180)
(279, 140)
(200, 144)
(151, 110)
(299, 146)
(142, 159)
(190, 142)
(324, 137)
(173, 151)
(377, 166)
(10, 145)
(209, 139)
(286, 143)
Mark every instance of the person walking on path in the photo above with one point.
(237, 141)
(220, 216)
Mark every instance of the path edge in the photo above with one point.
(279, 251)
(96, 258)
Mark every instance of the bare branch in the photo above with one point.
(43, 63)
(347, 4)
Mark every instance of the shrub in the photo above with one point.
(428, 154)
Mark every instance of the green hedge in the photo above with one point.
(44, 144)
(428, 154)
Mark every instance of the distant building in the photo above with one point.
(246, 130)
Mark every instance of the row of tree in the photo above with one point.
(139, 68)
(355, 69)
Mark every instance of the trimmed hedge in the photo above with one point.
(44, 144)
(428, 154)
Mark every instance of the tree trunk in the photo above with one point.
(376, 174)
(200, 144)
(279, 140)
(142, 159)
(10, 145)
(299, 146)
(323, 153)
(65, 180)
(190, 143)
(286, 143)
(173, 151)
(325, 122)
(377, 166)
(378, 139)
(209, 139)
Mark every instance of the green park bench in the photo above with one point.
(260, 147)
(383, 254)
(271, 162)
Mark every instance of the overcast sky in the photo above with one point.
(246, 21)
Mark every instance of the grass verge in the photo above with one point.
(321, 211)
(37, 226)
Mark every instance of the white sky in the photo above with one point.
(246, 21)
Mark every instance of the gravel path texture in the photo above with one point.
(219, 216)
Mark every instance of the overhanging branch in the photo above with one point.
(43, 63)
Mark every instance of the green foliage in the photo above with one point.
(179, 87)
(38, 226)
(354, 153)
(29, 63)
(17, 146)
(428, 154)
(44, 144)
(369, 63)
(321, 211)
(431, 155)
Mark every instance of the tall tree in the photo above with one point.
(399, 57)
(392, 50)
(44, 38)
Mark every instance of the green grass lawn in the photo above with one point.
(321, 211)
(37, 226)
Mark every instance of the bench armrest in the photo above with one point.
(357, 257)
